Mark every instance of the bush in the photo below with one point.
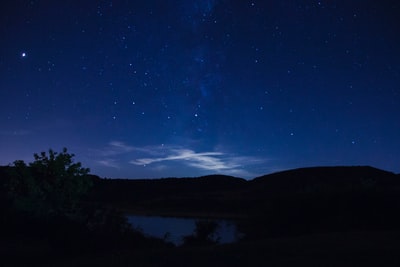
(52, 185)
(205, 233)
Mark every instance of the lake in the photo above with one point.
(173, 229)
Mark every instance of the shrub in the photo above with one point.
(205, 233)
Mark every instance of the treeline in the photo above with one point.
(53, 210)
(46, 215)
(206, 195)
(301, 201)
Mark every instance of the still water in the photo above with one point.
(173, 229)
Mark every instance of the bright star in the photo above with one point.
(23, 54)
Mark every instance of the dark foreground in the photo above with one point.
(342, 216)
(333, 249)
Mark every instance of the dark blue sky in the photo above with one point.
(185, 88)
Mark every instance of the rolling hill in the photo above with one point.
(220, 195)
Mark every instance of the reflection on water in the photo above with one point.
(173, 229)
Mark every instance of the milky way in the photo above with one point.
(188, 88)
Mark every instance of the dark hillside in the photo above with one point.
(229, 194)
(324, 180)
(323, 199)
(204, 194)
(303, 200)
(334, 214)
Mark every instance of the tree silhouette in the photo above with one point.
(52, 184)
(204, 234)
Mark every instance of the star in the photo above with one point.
(172, 75)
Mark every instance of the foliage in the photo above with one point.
(107, 220)
(205, 233)
(47, 204)
(52, 184)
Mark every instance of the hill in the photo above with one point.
(325, 180)
(179, 196)
(226, 196)
(299, 200)
(308, 213)
(322, 199)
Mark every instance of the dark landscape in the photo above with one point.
(321, 216)
(210, 132)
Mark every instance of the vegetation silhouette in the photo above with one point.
(45, 205)
(52, 185)
(288, 203)
(204, 234)
(203, 196)
(322, 199)
(54, 211)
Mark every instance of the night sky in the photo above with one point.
(161, 88)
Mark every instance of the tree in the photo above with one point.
(52, 184)
(205, 233)
(46, 202)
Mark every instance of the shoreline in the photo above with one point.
(178, 214)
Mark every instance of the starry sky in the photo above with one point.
(162, 88)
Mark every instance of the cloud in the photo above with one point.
(114, 154)
(116, 148)
(109, 163)
(209, 161)
(159, 158)
(121, 146)
(206, 160)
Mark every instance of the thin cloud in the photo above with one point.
(211, 161)
(109, 163)
(115, 148)
(112, 154)
(121, 146)
(158, 158)
(177, 154)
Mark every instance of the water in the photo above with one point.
(173, 229)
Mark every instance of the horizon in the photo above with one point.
(232, 176)
(247, 178)
(190, 88)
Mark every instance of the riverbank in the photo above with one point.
(332, 249)
(183, 214)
